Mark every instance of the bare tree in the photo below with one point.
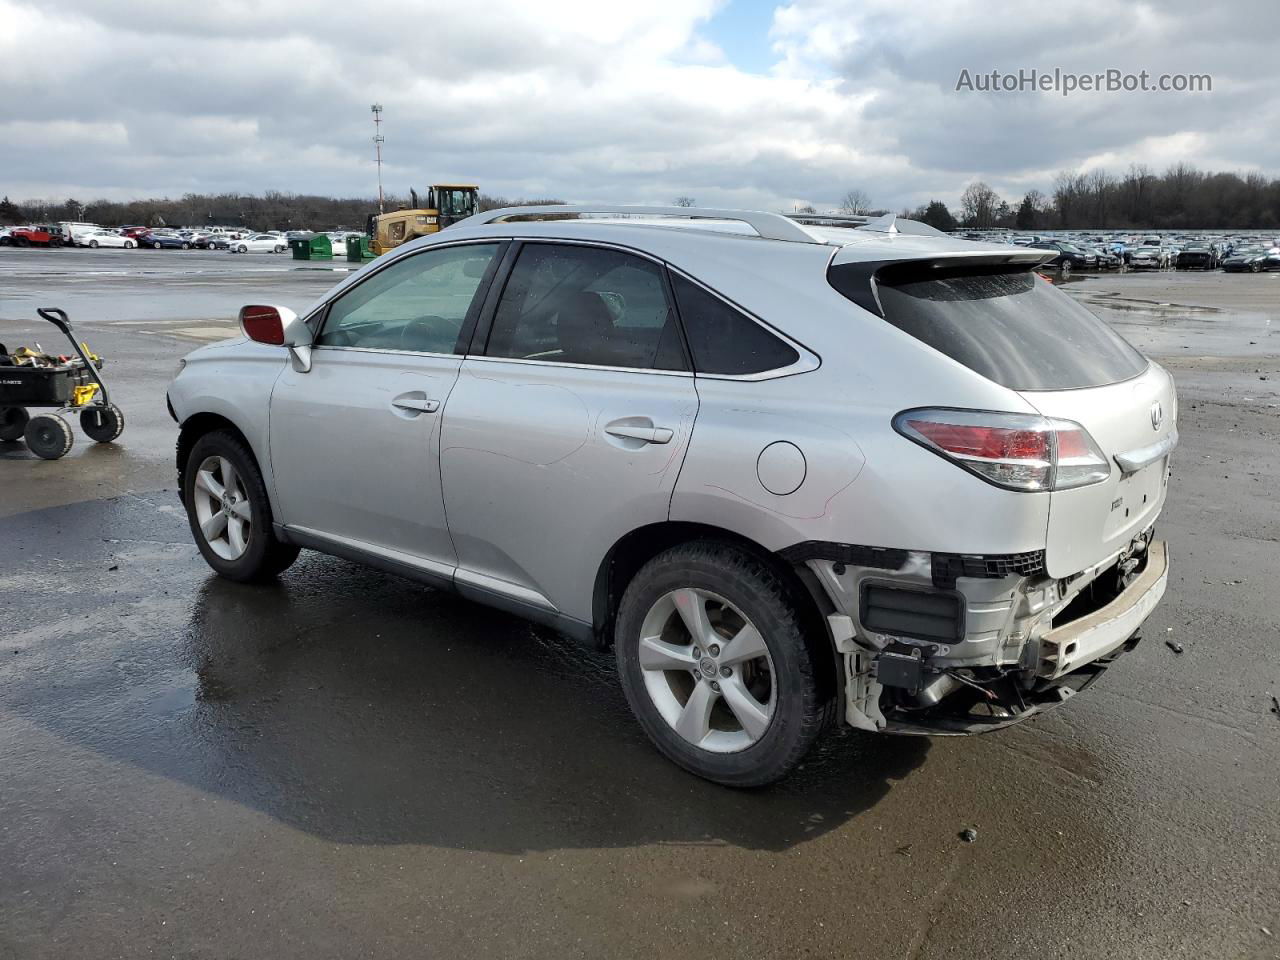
(1099, 187)
(980, 205)
(685, 202)
(1069, 191)
(855, 203)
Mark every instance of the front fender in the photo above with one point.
(233, 380)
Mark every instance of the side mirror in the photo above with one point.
(279, 326)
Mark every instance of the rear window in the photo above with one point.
(1010, 326)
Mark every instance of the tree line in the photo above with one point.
(1139, 199)
(1180, 198)
(272, 210)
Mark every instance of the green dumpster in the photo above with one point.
(315, 247)
(358, 248)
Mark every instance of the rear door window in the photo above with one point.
(586, 305)
(1012, 327)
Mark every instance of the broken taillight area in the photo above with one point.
(1015, 451)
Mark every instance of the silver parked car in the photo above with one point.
(790, 471)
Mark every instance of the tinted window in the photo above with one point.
(724, 340)
(1011, 327)
(571, 304)
(417, 304)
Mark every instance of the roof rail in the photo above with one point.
(770, 226)
(888, 223)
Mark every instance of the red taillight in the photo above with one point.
(1072, 444)
(990, 443)
(1016, 451)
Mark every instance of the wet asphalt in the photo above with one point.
(348, 764)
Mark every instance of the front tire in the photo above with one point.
(716, 664)
(228, 510)
(243, 248)
(13, 423)
(156, 245)
(48, 436)
(93, 244)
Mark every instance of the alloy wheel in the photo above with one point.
(707, 670)
(222, 507)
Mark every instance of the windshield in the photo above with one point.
(1010, 326)
(455, 203)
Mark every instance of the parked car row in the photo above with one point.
(130, 236)
(1253, 252)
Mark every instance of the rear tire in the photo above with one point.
(13, 423)
(93, 244)
(223, 492)
(49, 436)
(736, 741)
(128, 244)
(102, 424)
(156, 245)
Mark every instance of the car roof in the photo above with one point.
(670, 231)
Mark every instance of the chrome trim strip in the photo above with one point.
(577, 366)
(398, 353)
(1131, 461)
(502, 587)
(444, 570)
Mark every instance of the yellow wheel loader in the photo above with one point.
(447, 203)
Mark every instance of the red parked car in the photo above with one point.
(35, 237)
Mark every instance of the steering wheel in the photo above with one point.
(430, 329)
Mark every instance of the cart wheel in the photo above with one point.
(49, 436)
(13, 421)
(102, 424)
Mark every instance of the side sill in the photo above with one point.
(471, 586)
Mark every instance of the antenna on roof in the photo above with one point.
(885, 224)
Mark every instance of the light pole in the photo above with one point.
(377, 146)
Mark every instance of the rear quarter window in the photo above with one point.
(723, 340)
(1010, 326)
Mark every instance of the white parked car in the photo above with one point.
(259, 243)
(339, 242)
(104, 238)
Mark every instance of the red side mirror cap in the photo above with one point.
(263, 324)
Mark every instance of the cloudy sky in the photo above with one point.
(733, 102)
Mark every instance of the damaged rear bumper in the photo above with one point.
(1023, 644)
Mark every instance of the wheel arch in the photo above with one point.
(193, 428)
(636, 548)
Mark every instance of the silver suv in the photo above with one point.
(790, 470)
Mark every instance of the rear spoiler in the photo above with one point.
(858, 280)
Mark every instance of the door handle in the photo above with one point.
(647, 434)
(415, 402)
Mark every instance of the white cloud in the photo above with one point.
(624, 102)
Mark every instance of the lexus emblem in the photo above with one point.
(1157, 415)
